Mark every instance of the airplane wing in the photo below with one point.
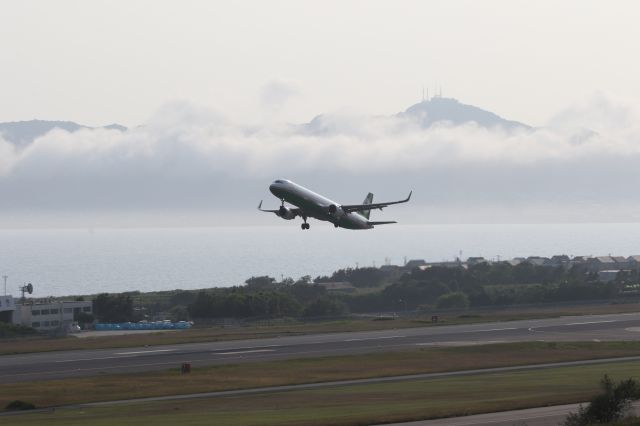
(374, 206)
(265, 210)
(295, 211)
(382, 223)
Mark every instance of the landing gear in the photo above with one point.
(305, 225)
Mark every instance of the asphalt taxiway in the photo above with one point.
(78, 363)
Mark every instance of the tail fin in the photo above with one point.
(368, 200)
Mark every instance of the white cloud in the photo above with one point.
(190, 158)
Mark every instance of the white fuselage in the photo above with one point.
(316, 206)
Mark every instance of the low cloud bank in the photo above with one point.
(187, 158)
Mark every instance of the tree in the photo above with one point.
(455, 300)
(113, 308)
(83, 318)
(179, 313)
(183, 297)
(609, 406)
(260, 283)
(325, 306)
(203, 306)
(306, 293)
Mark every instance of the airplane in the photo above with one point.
(309, 204)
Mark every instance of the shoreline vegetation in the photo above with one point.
(352, 299)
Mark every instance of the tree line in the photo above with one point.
(438, 287)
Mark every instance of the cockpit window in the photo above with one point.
(281, 181)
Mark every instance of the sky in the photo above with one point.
(103, 61)
(212, 93)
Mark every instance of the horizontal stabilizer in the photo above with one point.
(382, 223)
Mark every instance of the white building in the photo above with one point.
(51, 315)
(7, 307)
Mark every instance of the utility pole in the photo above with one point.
(5, 284)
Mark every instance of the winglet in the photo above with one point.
(409, 197)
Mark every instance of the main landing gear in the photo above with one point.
(305, 225)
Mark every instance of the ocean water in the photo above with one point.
(74, 261)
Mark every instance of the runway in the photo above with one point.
(55, 365)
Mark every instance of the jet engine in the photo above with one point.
(336, 211)
(286, 213)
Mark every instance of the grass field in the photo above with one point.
(281, 328)
(310, 370)
(356, 405)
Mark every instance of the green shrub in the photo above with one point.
(19, 405)
(455, 300)
(609, 406)
(15, 330)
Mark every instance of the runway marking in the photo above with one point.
(491, 329)
(249, 347)
(374, 338)
(245, 348)
(94, 359)
(121, 355)
(455, 343)
(144, 352)
(589, 322)
(244, 352)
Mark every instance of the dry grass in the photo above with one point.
(252, 375)
(276, 329)
(357, 405)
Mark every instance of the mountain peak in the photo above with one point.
(439, 109)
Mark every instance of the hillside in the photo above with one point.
(450, 110)
(22, 133)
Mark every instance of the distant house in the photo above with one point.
(607, 276)
(580, 262)
(633, 262)
(621, 262)
(602, 263)
(476, 260)
(450, 264)
(538, 260)
(559, 260)
(415, 263)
